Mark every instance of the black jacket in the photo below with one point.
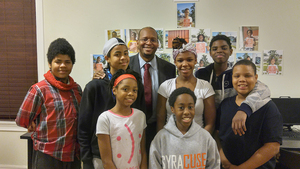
(96, 99)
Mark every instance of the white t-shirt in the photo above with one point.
(202, 91)
(125, 136)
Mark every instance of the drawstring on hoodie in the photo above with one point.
(223, 90)
(211, 76)
(223, 79)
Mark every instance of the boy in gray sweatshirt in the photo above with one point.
(182, 143)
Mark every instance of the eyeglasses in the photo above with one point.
(145, 40)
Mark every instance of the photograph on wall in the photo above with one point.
(200, 38)
(185, 15)
(254, 57)
(98, 63)
(164, 56)
(114, 33)
(249, 38)
(272, 62)
(231, 60)
(203, 60)
(160, 35)
(232, 36)
(132, 40)
(170, 35)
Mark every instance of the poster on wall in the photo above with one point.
(232, 36)
(203, 60)
(172, 34)
(249, 38)
(200, 38)
(254, 57)
(164, 56)
(98, 63)
(272, 62)
(160, 35)
(185, 15)
(114, 33)
(132, 40)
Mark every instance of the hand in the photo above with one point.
(239, 123)
(31, 127)
(234, 167)
(99, 74)
(224, 161)
(226, 166)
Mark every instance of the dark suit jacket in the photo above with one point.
(166, 70)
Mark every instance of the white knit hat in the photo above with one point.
(112, 43)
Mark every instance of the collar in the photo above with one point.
(153, 62)
(58, 84)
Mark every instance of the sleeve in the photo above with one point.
(272, 125)
(257, 98)
(213, 157)
(102, 126)
(85, 131)
(162, 89)
(30, 108)
(144, 120)
(155, 161)
(208, 89)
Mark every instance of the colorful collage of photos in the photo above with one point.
(245, 43)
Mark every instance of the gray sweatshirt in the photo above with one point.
(171, 149)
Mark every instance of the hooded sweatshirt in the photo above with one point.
(223, 87)
(171, 149)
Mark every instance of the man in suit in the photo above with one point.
(160, 70)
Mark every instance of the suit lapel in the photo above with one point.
(135, 64)
(161, 76)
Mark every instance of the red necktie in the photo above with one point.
(148, 89)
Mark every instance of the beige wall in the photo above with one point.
(83, 23)
(13, 150)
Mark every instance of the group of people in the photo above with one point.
(139, 114)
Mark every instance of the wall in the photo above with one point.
(83, 23)
(13, 150)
